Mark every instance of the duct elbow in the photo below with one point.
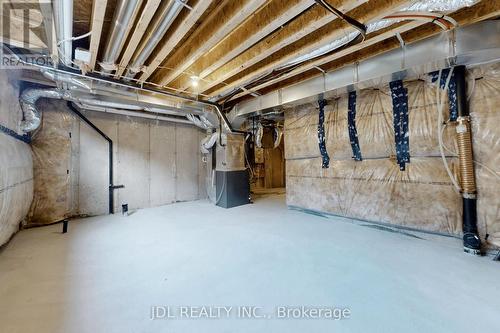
(31, 115)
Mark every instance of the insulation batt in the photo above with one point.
(374, 189)
(16, 165)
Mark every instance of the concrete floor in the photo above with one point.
(107, 273)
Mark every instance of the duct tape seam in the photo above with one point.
(399, 95)
(321, 135)
(353, 133)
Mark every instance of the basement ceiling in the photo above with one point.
(227, 51)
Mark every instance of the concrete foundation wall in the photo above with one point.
(157, 162)
(16, 166)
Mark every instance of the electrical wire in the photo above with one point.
(440, 100)
(443, 21)
(75, 38)
(349, 20)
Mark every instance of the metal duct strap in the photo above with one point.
(452, 90)
(353, 133)
(399, 96)
(321, 135)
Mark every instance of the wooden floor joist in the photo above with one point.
(98, 12)
(365, 13)
(313, 19)
(271, 17)
(371, 40)
(141, 27)
(479, 12)
(212, 31)
(198, 10)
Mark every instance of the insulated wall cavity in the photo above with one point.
(374, 189)
(16, 165)
(484, 92)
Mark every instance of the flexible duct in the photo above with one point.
(222, 118)
(259, 135)
(208, 142)
(167, 18)
(32, 117)
(28, 99)
(278, 135)
(123, 18)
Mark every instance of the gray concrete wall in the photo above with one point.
(16, 166)
(158, 162)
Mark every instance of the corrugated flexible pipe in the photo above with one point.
(472, 242)
(32, 117)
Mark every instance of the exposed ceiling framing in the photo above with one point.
(227, 44)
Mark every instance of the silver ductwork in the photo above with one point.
(167, 18)
(63, 16)
(32, 117)
(471, 45)
(28, 99)
(123, 19)
(132, 113)
(208, 142)
(106, 98)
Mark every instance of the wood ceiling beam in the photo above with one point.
(50, 28)
(482, 11)
(372, 39)
(226, 18)
(98, 12)
(270, 18)
(308, 22)
(141, 27)
(179, 33)
(365, 13)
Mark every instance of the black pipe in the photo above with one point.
(472, 242)
(111, 187)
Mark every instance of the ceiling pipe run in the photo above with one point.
(63, 16)
(123, 19)
(222, 118)
(133, 113)
(167, 18)
(32, 116)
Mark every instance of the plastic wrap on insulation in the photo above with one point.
(484, 92)
(421, 197)
(51, 148)
(16, 165)
(16, 184)
(373, 122)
